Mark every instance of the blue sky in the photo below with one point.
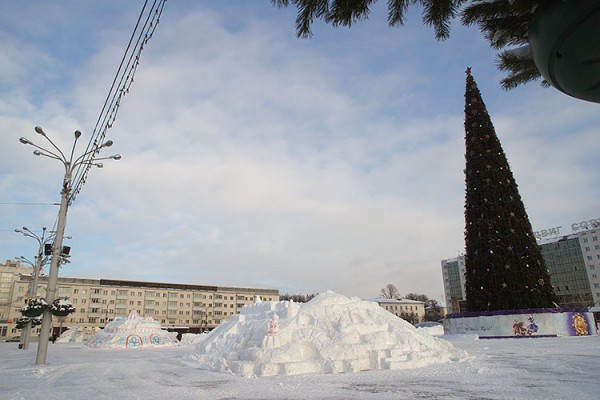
(253, 158)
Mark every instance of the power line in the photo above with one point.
(30, 204)
(125, 77)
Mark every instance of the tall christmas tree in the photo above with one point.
(504, 267)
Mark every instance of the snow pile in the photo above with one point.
(79, 335)
(192, 338)
(133, 332)
(330, 334)
(433, 330)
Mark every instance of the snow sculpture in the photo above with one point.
(330, 334)
(133, 332)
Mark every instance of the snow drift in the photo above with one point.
(330, 334)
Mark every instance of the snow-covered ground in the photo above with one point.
(533, 369)
(333, 347)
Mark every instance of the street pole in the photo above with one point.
(86, 159)
(42, 350)
(37, 269)
(32, 294)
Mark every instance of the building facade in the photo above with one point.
(573, 262)
(179, 307)
(9, 273)
(574, 265)
(410, 310)
(453, 272)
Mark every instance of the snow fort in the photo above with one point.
(330, 334)
(133, 332)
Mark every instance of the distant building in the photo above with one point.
(574, 265)
(435, 313)
(179, 307)
(453, 272)
(411, 310)
(9, 273)
(573, 262)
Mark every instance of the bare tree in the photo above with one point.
(389, 292)
(417, 297)
(297, 298)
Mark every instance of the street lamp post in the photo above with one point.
(65, 193)
(40, 261)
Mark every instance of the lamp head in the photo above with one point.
(116, 157)
(25, 140)
(108, 143)
(77, 134)
(37, 152)
(39, 130)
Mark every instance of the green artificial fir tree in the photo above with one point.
(504, 266)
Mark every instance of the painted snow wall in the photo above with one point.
(133, 332)
(515, 324)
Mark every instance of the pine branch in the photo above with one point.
(520, 66)
(396, 10)
(345, 12)
(438, 13)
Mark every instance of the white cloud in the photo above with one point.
(252, 158)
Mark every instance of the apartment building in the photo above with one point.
(9, 273)
(179, 307)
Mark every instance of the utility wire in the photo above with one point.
(31, 204)
(125, 78)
